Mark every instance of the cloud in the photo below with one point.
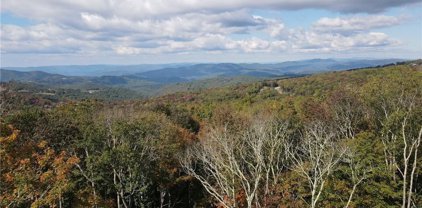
(311, 41)
(210, 43)
(46, 38)
(273, 27)
(187, 32)
(356, 23)
(186, 26)
(69, 10)
(50, 38)
(129, 27)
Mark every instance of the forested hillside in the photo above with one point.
(336, 139)
(153, 80)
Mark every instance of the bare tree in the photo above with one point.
(358, 172)
(347, 112)
(275, 143)
(390, 107)
(227, 164)
(268, 140)
(315, 157)
(411, 146)
(401, 137)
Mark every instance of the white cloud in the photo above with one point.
(186, 26)
(311, 41)
(208, 43)
(57, 10)
(273, 27)
(188, 32)
(129, 27)
(125, 50)
(46, 38)
(356, 23)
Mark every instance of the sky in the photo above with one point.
(73, 32)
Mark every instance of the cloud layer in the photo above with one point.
(134, 9)
(128, 27)
(356, 24)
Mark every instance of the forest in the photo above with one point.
(335, 139)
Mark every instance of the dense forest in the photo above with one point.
(336, 139)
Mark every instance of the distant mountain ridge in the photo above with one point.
(95, 70)
(150, 81)
(263, 69)
(291, 68)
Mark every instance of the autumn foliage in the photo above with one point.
(339, 139)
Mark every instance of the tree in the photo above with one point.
(348, 112)
(130, 152)
(401, 136)
(33, 173)
(358, 172)
(408, 166)
(234, 166)
(315, 156)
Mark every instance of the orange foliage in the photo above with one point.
(33, 172)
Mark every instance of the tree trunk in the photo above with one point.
(162, 197)
(351, 196)
(60, 201)
(94, 193)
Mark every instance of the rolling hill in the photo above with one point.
(182, 77)
(214, 69)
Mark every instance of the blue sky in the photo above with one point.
(61, 32)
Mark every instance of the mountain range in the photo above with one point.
(151, 78)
